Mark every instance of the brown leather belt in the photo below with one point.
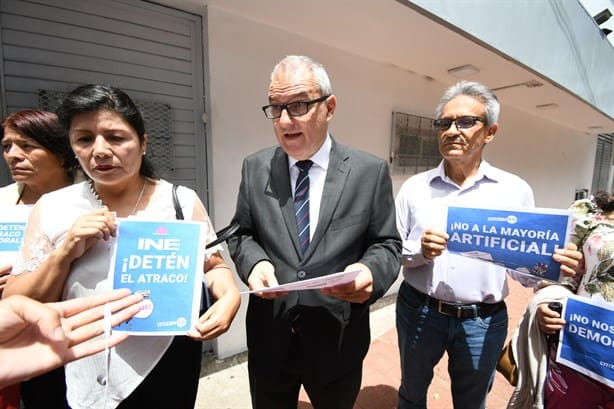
(456, 310)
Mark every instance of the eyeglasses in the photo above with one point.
(462, 122)
(296, 108)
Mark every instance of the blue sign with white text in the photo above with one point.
(11, 235)
(587, 340)
(163, 261)
(520, 240)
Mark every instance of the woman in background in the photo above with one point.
(39, 157)
(543, 382)
(594, 234)
(66, 254)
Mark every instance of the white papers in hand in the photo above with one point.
(330, 280)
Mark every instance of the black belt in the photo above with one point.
(456, 310)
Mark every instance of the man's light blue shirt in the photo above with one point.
(422, 203)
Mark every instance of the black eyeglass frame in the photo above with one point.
(439, 124)
(281, 107)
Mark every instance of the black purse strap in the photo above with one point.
(178, 211)
(206, 299)
(222, 235)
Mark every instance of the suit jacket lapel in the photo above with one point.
(280, 185)
(336, 176)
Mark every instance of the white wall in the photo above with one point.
(554, 160)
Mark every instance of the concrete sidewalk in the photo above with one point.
(224, 384)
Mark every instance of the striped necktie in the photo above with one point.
(301, 203)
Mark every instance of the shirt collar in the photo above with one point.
(485, 171)
(321, 157)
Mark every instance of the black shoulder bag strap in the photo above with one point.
(178, 211)
(205, 301)
(222, 235)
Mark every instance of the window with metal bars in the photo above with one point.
(414, 146)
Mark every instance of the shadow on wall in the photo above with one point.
(371, 397)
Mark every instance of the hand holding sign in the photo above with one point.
(433, 243)
(571, 259)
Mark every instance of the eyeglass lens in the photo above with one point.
(294, 109)
(462, 122)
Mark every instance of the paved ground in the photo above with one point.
(224, 384)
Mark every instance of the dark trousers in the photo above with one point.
(280, 389)
(45, 391)
(179, 367)
(473, 346)
(282, 392)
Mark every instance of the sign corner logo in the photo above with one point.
(161, 231)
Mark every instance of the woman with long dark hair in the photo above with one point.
(66, 254)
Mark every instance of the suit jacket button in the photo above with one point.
(301, 274)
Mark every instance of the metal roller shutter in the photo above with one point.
(152, 52)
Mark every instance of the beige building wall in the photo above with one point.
(241, 53)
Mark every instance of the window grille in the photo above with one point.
(414, 144)
(157, 117)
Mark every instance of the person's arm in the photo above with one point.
(45, 267)
(412, 255)
(5, 272)
(248, 255)
(220, 280)
(380, 263)
(36, 338)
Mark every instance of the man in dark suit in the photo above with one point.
(314, 338)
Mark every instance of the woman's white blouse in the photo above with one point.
(132, 360)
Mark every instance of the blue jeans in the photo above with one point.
(473, 346)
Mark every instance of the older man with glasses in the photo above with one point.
(308, 208)
(447, 302)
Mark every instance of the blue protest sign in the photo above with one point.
(163, 261)
(587, 341)
(13, 221)
(522, 240)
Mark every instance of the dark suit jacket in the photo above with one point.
(356, 224)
